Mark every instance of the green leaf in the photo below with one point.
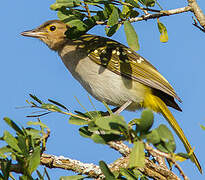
(144, 178)
(148, 3)
(94, 114)
(34, 133)
(132, 38)
(71, 20)
(3, 156)
(25, 177)
(11, 141)
(34, 160)
(97, 138)
(202, 127)
(77, 121)
(161, 147)
(128, 12)
(108, 8)
(106, 171)
(92, 127)
(137, 156)
(167, 138)
(164, 133)
(22, 140)
(133, 3)
(5, 149)
(65, 13)
(112, 30)
(133, 13)
(103, 137)
(85, 132)
(50, 107)
(137, 172)
(146, 121)
(76, 177)
(153, 137)
(58, 104)
(31, 123)
(114, 17)
(184, 155)
(81, 121)
(163, 32)
(98, 1)
(91, 22)
(125, 11)
(64, 3)
(13, 125)
(113, 122)
(103, 15)
(5, 169)
(127, 174)
(35, 98)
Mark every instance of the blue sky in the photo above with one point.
(28, 66)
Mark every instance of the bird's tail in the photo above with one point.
(158, 105)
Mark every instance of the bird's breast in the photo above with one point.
(101, 83)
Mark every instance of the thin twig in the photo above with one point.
(62, 162)
(155, 15)
(62, 112)
(157, 153)
(87, 9)
(98, 6)
(119, 146)
(146, 12)
(180, 170)
(82, 10)
(45, 138)
(151, 169)
(198, 26)
(141, 8)
(161, 14)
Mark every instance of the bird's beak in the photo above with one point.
(34, 33)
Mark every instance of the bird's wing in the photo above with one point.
(126, 62)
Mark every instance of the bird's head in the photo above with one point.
(51, 32)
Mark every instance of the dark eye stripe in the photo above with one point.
(52, 28)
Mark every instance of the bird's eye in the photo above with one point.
(52, 28)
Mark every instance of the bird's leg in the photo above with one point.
(123, 107)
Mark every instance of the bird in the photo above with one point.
(113, 73)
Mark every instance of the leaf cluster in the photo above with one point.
(24, 148)
(81, 16)
(101, 127)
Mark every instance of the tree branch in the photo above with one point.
(52, 161)
(119, 146)
(154, 16)
(156, 153)
(161, 14)
(197, 12)
(151, 169)
(162, 169)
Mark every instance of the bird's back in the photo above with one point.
(113, 73)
